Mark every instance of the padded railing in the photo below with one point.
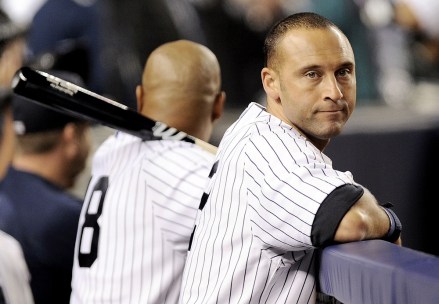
(378, 272)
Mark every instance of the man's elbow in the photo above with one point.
(353, 227)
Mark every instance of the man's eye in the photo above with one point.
(311, 74)
(344, 72)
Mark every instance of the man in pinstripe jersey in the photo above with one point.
(141, 203)
(273, 196)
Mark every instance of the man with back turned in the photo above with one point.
(143, 196)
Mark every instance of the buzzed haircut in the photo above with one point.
(300, 20)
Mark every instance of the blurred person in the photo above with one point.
(419, 17)
(274, 197)
(406, 48)
(73, 29)
(12, 48)
(14, 274)
(390, 50)
(141, 202)
(51, 151)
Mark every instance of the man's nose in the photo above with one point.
(332, 89)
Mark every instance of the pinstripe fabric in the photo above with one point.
(252, 241)
(147, 217)
(14, 274)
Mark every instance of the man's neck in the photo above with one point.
(44, 165)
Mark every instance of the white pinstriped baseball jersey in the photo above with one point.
(254, 238)
(137, 218)
(14, 274)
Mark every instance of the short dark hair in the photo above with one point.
(300, 20)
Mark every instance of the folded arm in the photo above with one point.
(351, 213)
(366, 219)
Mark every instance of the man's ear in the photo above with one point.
(69, 131)
(139, 98)
(270, 83)
(69, 139)
(218, 105)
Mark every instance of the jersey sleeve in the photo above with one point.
(14, 273)
(331, 212)
(288, 181)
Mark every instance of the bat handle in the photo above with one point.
(206, 146)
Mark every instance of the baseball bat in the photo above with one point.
(58, 94)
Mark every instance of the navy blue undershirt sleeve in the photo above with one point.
(331, 212)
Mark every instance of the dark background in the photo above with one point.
(398, 161)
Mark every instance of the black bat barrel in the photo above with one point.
(58, 94)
